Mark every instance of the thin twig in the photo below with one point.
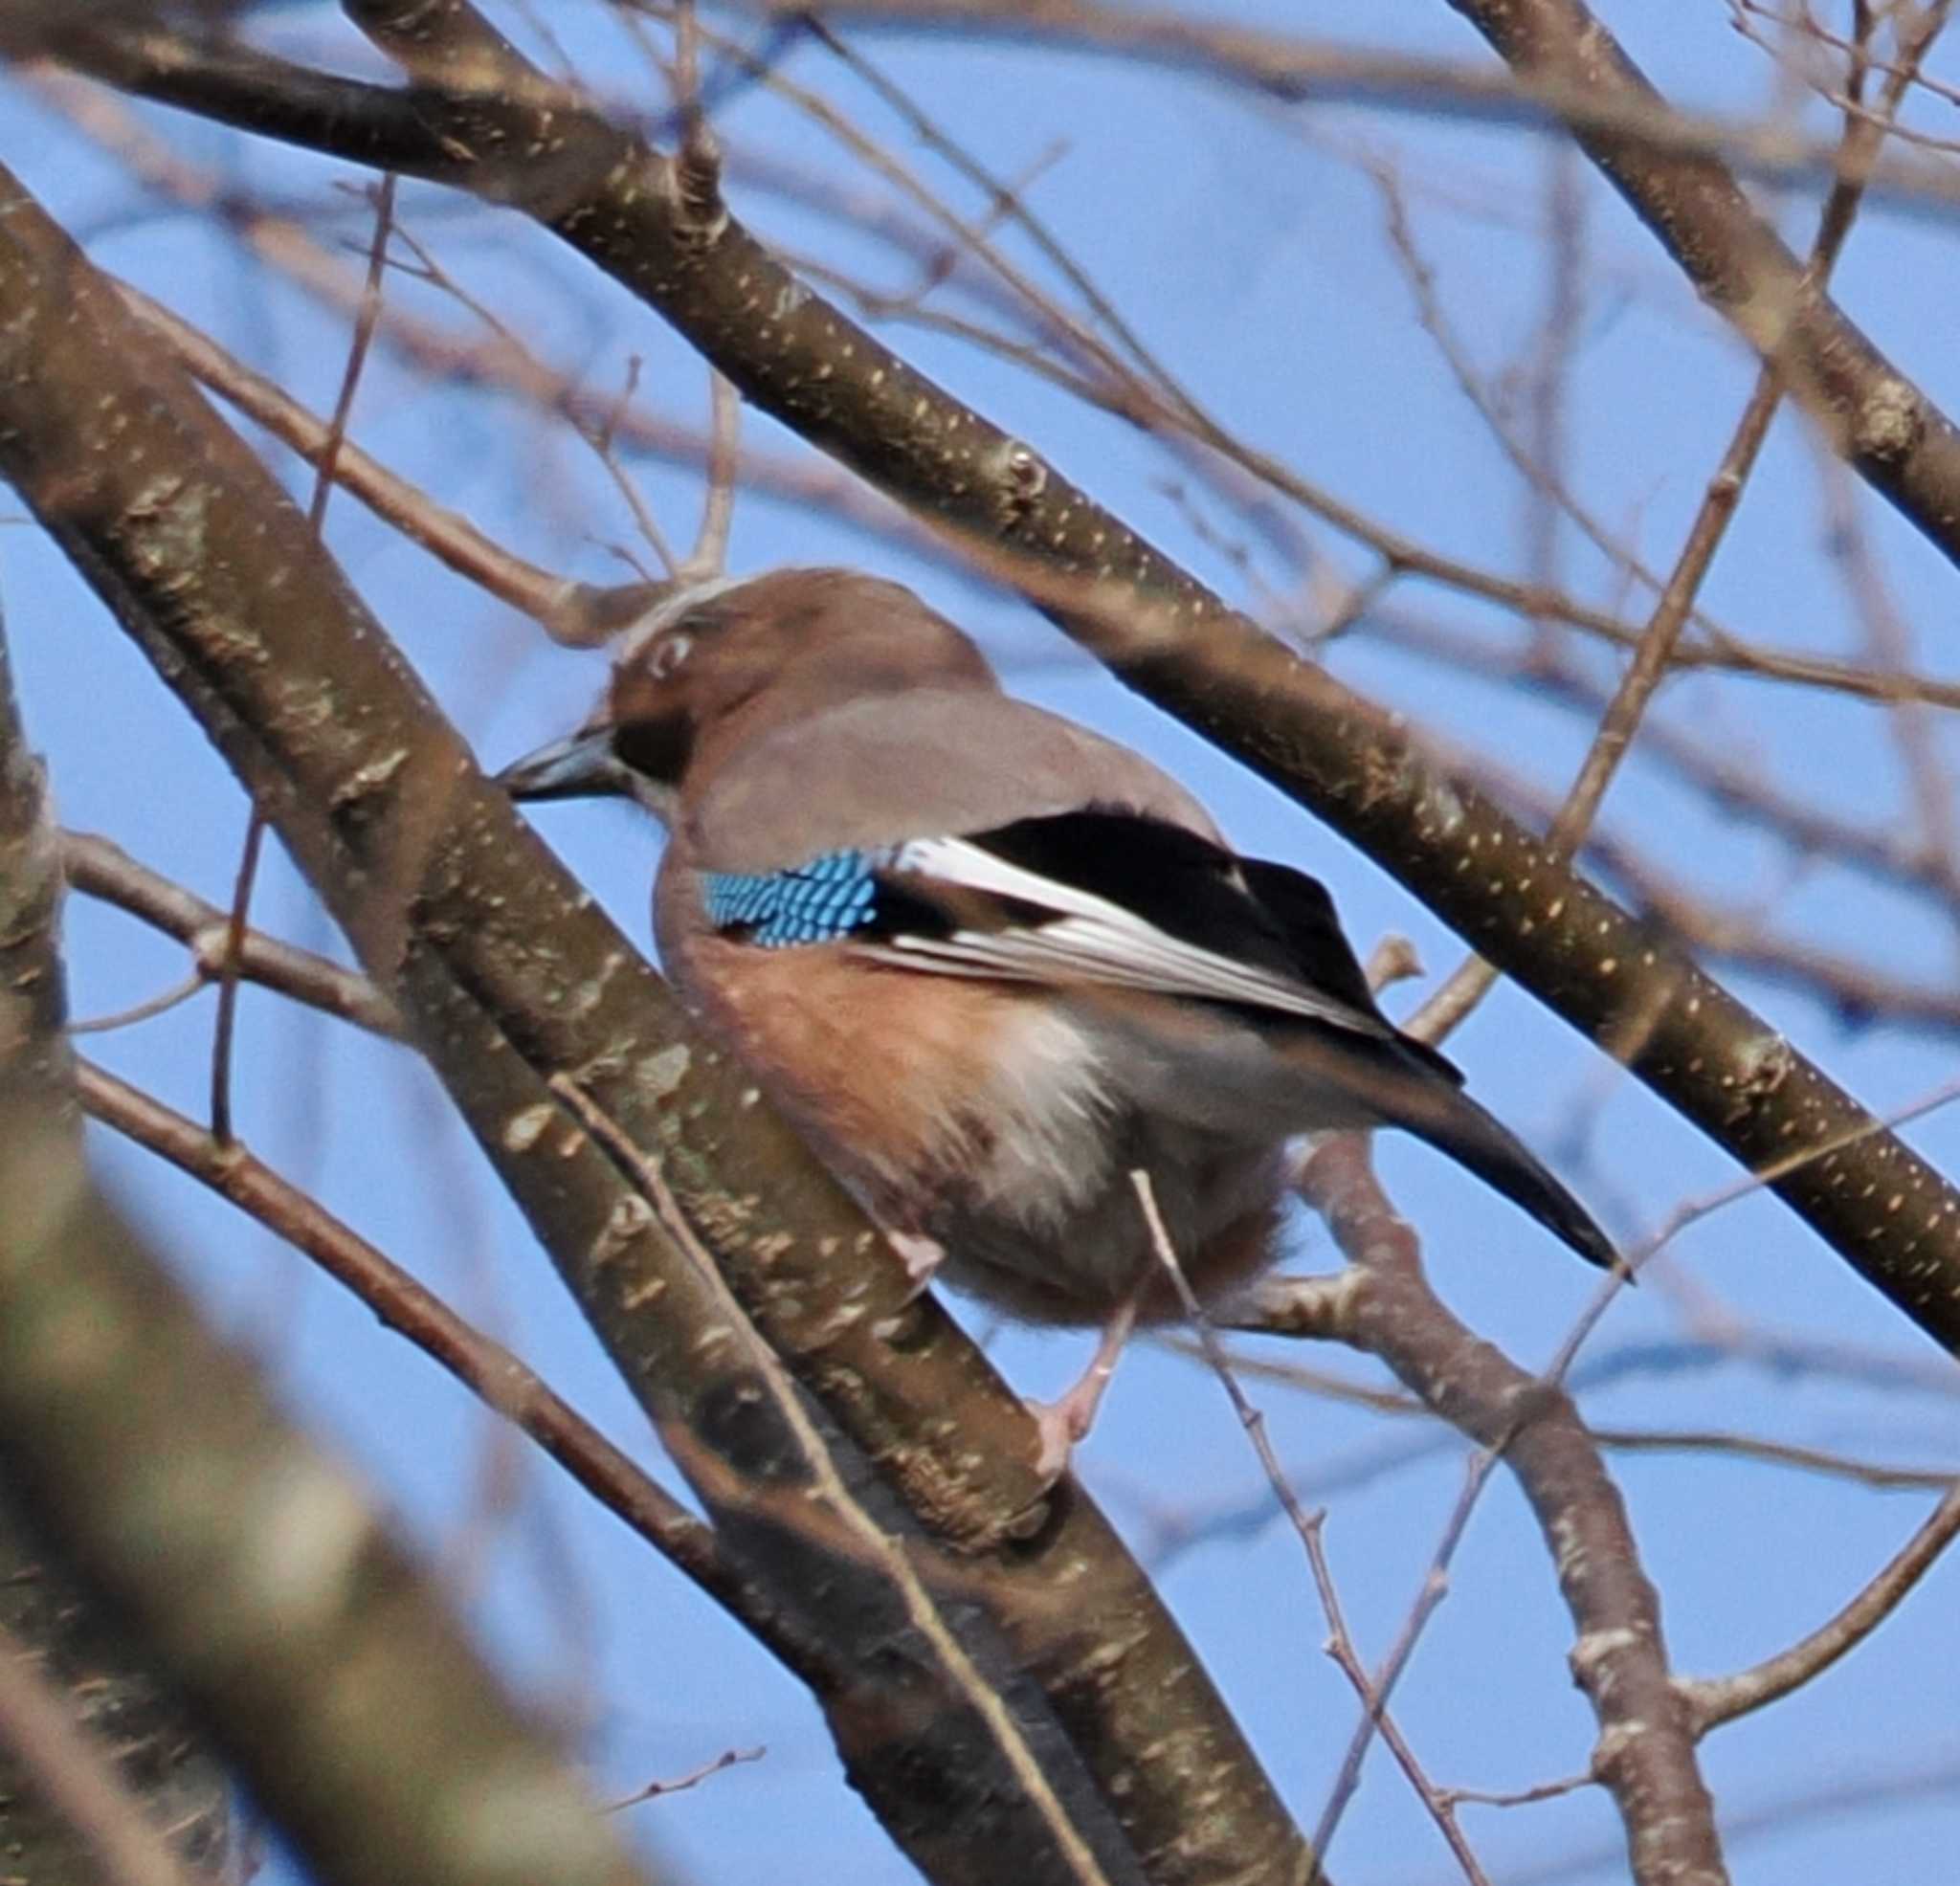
(653, 1789)
(225, 1026)
(1719, 1699)
(1653, 658)
(709, 556)
(1309, 1526)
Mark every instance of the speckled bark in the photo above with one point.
(156, 1464)
(1894, 1218)
(141, 1727)
(506, 973)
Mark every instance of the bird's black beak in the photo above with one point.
(582, 765)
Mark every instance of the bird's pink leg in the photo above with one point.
(1065, 1421)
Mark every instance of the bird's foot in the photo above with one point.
(1062, 1424)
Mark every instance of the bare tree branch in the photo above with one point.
(506, 973)
(1888, 1212)
(1884, 426)
(251, 1567)
(1645, 1752)
(70, 1805)
(1718, 1699)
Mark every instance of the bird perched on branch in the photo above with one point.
(990, 963)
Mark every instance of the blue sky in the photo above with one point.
(1248, 246)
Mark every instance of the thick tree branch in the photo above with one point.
(506, 974)
(249, 1567)
(1888, 1212)
(254, 1570)
(143, 1761)
(48, 1761)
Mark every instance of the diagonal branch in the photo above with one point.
(474, 112)
(1883, 425)
(1645, 1754)
(506, 974)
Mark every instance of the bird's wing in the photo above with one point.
(1115, 901)
(1091, 898)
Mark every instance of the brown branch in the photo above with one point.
(1645, 1754)
(800, 358)
(445, 533)
(1648, 668)
(55, 1807)
(100, 868)
(1884, 426)
(501, 364)
(506, 974)
(1873, 1473)
(1296, 70)
(249, 1565)
(76, 1775)
(1653, 658)
(224, 1025)
(653, 1791)
(1733, 788)
(1718, 1699)
(1328, 1295)
(347, 1697)
(500, 1379)
(1889, 642)
(1858, 992)
(610, 196)
(841, 1507)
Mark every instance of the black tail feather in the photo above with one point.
(1454, 1123)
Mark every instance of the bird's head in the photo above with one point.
(714, 664)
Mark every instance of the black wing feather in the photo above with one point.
(1304, 911)
(1175, 879)
(1268, 915)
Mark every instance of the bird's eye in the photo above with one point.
(667, 655)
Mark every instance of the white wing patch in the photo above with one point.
(1088, 939)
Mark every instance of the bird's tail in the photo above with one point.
(1343, 1078)
(1454, 1123)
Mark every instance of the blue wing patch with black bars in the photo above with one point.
(831, 897)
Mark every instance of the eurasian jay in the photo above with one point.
(989, 963)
